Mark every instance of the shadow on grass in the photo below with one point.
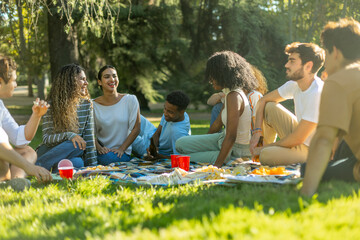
(208, 201)
(186, 203)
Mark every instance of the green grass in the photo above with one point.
(98, 209)
(20, 110)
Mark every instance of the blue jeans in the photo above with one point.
(142, 141)
(216, 110)
(111, 157)
(49, 157)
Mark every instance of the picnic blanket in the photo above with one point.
(141, 172)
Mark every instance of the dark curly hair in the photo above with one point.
(230, 70)
(179, 99)
(7, 66)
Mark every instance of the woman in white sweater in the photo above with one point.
(117, 119)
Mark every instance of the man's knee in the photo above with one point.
(4, 170)
(270, 107)
(266, 156)
(274, 156)
(28, 153)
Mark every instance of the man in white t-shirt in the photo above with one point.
(295, 131)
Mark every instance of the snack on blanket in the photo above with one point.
(241, 170)
(196, 175)
(101, 167)
(270, 171)
(166, 178)
(215, 172)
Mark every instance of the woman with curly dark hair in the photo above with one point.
(68, 126)
(225, 70)
(216, 100)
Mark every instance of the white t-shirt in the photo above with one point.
(114, 123)
(306, 102)
(3, 136)
(15, 133)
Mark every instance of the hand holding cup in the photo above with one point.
(40, 107)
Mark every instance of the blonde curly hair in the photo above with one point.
(65, 97)
(262, 84)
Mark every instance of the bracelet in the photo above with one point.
(257, 131)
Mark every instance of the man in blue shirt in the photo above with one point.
(174, 124)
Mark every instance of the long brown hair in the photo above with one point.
(64, 98)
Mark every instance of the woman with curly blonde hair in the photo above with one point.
(68, 127)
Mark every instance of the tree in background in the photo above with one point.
(23, 36)
(162, 45)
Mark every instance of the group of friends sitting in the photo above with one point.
(322, 135)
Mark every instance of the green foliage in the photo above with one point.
(24, 38)
(160, 46)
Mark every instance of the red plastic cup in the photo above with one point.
(184, 162)
(66, 169)
(174, 160)
(66, 172)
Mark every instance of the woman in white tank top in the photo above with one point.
(225, 70)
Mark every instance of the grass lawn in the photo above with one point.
(98, 209)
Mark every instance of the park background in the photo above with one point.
(159, 46)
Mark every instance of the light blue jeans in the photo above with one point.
(111, 157)
(206, 148)
(49, 157)
(142, 141)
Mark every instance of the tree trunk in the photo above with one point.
(24, 55)
(343, 13)
(290, 21)
(42, 85)
(314, 19)
(62, 46)
(30, 89)
(143, 102)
